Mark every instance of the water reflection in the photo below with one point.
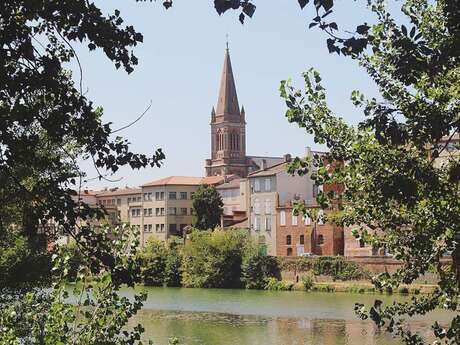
(227, 329)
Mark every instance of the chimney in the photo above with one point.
(264, 164)
(287, 157)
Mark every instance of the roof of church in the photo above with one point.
(227, 103)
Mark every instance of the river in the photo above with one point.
(249, 317)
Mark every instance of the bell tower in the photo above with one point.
(228, 129)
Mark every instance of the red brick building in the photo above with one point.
(296, 235)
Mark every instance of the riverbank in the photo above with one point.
(366, 287)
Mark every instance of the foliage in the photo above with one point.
(98, 314)
(338, 268)
(75, 261)
(214, 259)
(273, 284)
(399, 194)
(308, 281)
(256, 268)
(173, 274)
(153, 262)
(207, 205)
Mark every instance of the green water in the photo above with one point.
(245, 317)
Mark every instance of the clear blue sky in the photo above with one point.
(179, 69)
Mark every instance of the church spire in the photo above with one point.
(227, 103)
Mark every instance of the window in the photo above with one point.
(150, 227)
(139, 199)
(157, 227)
(307, 220)
(183, 195)
(162, 195)
(268, 223)
(267, 185)
(162, 211)
(172, 211)
(257, 223)
(145, 212)
(133, 212)
(145, 227)
(129, 200)
(302, 239)
(283, 218)
(150, 212)
(162, 227)
(289, 252)
(146, 196)
(256, 206)
(256, 185)
(288, 239)
(294, 220)
(361, 243)
(104, 202)
(172, 196)
(172, 228)
(157, 195)
(320, 240)
(268, 206)
(183, 211)
(118, 202)
(138, 212)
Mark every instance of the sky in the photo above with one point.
(180, 64)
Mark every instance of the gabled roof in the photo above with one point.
(235, 183)
(273, 170)
(118, 191)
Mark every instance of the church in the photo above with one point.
(228, 133)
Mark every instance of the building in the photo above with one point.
(269, 188)
(228, 132)
(296, 235)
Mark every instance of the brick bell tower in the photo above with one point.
(228, 129)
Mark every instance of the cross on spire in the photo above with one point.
(226, 39)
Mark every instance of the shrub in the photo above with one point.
(256, 268)
(339, 269)
(308, 282)
(403, 290)
(153, 262)
(415, 291)
(172, 275)
(214, 259)
(273, 284)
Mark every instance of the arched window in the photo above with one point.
(288, 239)
(237, 141)
(302, 239)
(217, 142)
(289, 252)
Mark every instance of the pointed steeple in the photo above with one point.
(213, 115)
(227, 103)
(243, 113)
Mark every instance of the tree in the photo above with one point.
(47, 126)
(207, 205)
(399, 195)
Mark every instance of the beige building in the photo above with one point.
(160, 208)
